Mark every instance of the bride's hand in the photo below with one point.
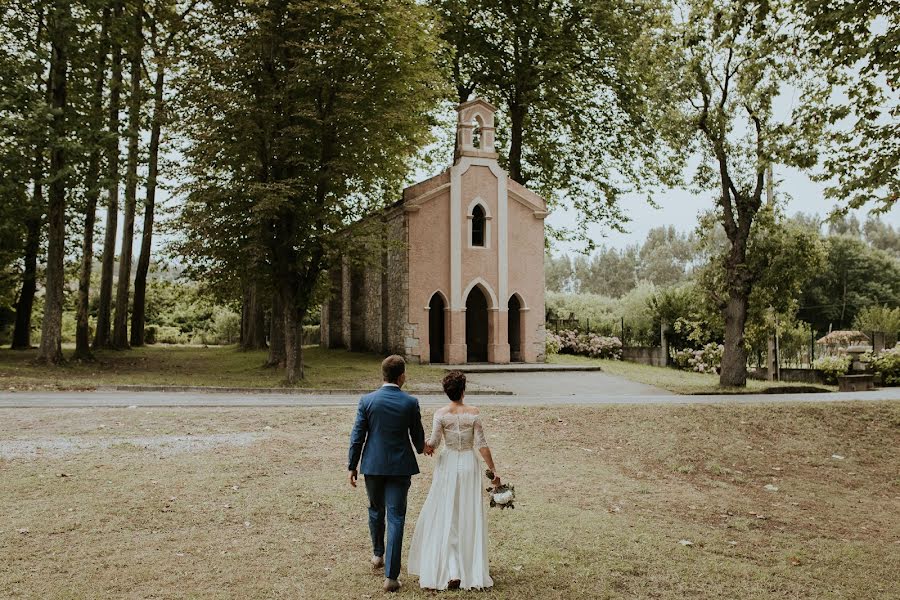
(429, 450)
(496, 480)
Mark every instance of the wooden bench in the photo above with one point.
(856, 383)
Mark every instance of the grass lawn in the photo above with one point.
(674, 380)
(204, 366)
(245, 503)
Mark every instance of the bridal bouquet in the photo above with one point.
(503, 495)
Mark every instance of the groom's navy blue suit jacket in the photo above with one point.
(386, 421)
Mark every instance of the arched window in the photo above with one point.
(476, 132)
(478, 225)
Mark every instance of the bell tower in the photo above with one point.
(475, 130)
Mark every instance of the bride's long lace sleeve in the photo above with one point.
(437, 432)
(480, 441)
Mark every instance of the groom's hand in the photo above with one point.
(353, 474)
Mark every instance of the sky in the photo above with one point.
(680, 208)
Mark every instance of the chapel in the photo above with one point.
(465, 282)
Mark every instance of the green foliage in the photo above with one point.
(887, 365)
(852, 98)
(832, 366)
(604, 314)
(552, 344)
(558, 273)
(854, 276)
(878, 318)
(691, 321)
(568, 81)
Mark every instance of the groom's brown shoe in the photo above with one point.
(391, 585)
(377, 562)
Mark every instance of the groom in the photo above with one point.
(386, 421)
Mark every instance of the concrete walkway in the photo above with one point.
(531, 389)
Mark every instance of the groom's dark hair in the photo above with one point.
(454, 385)
(392, 368)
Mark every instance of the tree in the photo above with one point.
(855, 276)
(558, 273)
(60, 32)
(165, 18)
(104, 306)
(853, 97)
(82, 325)
(123, 284)
(308, 112)
(782, 257)
(726, 62)
(878, 318)
(24, 115)
(665, 256)
(566, 78)
(883, 236)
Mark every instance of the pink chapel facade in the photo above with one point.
(467, 283)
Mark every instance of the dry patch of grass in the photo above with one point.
(675, 380)
(203, 366)
(261, 508)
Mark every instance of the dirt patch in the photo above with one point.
(166, 445)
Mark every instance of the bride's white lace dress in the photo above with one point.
(451, 539)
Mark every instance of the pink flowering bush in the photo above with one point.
(706, 360)
(584, 344)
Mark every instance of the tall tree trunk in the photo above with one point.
(25, 304)
(734, 360)
(143, 265)
(22, 331)
(253, 330)
(82, 320)
(58, 25)
(276, 333)
(293, 349)
(517, 124)
(104, 306)
(123, 286)
(733, 371)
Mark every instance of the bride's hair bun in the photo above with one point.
(454, 385)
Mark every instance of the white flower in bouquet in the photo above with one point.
(503, 496)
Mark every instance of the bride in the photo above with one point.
(450, 544)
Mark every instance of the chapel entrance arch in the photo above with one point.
(436, 328)
(476, 326)
(514, 321)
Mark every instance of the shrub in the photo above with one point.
(706, 360)
(171, 335)
(832, 366)
(584, 344)
(887, 364)
(311, 335)
(150, 335)
(878, 318)
(552, 344)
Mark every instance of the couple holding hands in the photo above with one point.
(450, 544)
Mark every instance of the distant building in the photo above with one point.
(467, 283)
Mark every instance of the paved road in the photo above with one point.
(531, 389)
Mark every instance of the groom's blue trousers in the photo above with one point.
(387, 496)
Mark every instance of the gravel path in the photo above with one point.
(530, 389)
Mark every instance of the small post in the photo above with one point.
(623, 331)
(664, 344)
(812, 348)
(588, 322)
